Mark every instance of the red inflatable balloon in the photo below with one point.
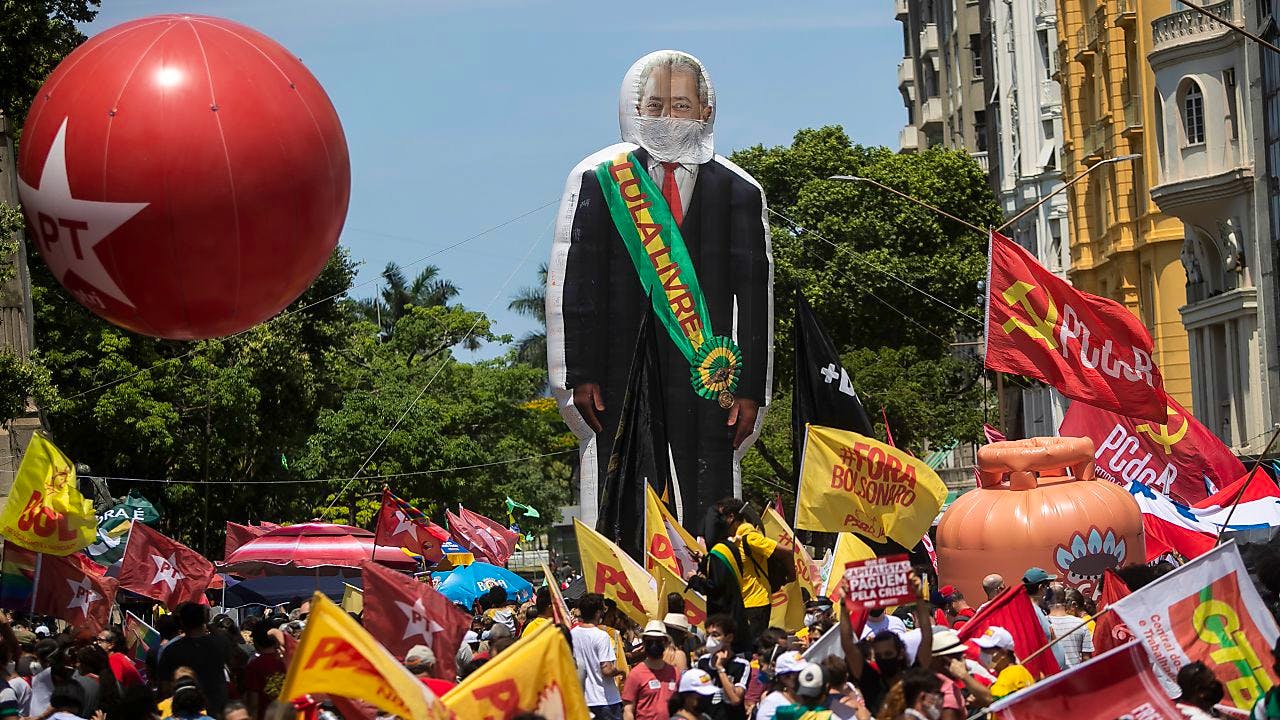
(184, 176)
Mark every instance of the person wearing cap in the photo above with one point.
(811, 696)
(947, 661)
(1036, 581)
(997, 655)
(818, 608)
(729, 671)
(421, 661)
(693, 698)
(786, 679)
(651, 683)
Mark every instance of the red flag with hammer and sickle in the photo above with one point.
(1090, 348)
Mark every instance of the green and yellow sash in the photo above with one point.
(666, 272)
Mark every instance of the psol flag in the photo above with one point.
(402, 612)
(536, 675)
(162, 568)
(337, 657)
(611, 572)
(1091, 349)
(45, 512)
(1207, 610)
(788, 601)
(74, 589)
(853, 483)
(1173, 458)
(666, 541)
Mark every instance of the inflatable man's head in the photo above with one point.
(667, 106)
(1038, 504)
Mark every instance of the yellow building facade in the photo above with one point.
(1122, 247)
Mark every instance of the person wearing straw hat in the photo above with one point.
(651, 683)
(947, 662)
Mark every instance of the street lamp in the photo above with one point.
(1067, 184)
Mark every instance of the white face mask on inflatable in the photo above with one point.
(667, 106)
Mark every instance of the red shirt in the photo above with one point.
(437, 686)
(262, 678)
(650, 690)
(124, 669)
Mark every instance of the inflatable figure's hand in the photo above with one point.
(742, 418)
(589, 400)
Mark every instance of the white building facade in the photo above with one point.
(1209, 124)
(1026, 104)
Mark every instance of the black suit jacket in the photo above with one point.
(604, 301)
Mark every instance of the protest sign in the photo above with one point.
(878, 582)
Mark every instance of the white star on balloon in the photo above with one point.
(82, 595)
(403, 524)
(419, 624)
(69, 229)
(166, 571)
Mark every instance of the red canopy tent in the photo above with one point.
(311, 547)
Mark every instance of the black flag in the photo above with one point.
(640, 454)
(823, 393)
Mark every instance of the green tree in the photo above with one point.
(36, 34)
(895, 284)
(531, 301)
(427, 289)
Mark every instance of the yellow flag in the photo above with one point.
(807, 572)
(853, 483)
(848, 549)
(535, 675)
(695, 605)
(667, 542)
(787, 608)
(608, 570)
(338, 657)
(352, 599)
(45, 511)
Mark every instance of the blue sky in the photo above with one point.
(434, 95)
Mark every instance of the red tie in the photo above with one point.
(671, 191)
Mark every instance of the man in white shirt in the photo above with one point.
(878, 621)
(593, 652)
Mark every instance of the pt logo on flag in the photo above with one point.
(1040, 328)
(403, 524)
(1160, 433)
(418, 624)
(82, 596)
(167, 571)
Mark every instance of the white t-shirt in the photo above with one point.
(769, 705)
(592, 646)
(41, 691)
(22, 691)
(884, 622)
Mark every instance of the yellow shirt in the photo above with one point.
(755, 550)
(1011, 679)
(534, 624)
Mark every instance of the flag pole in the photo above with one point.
(1063, 636)
(1257, 465)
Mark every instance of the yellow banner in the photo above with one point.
(853, 483)
(608, 570)
(667, 541)
(45, 511)
(848, 549)
(695, 605)
(535, 675)
(337, 657)
(352, 599)
(786, 609)
(776, 528)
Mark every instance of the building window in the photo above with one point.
(1233, 119)
(1055, 244)
(1159, 113)
(1193, 113)
(1046, 58)
(975, 47)
(980, 130)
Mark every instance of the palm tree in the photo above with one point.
(532, 302)
(428, 289)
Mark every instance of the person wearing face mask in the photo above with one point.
(651, 683)
(816, 610)
(694, 698)
(699, 231)
(729, 671)
(786, 680)
(996, 645)
(879, 621)
(917, 697)
(1201, 691)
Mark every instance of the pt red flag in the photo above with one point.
(483, 537)
(1091, 349)
(1174, 458)
(1117, 684)
(238, 535)
(163, 569)
(403, 525)
(1109, 631)
(1012, 610)
(401, 612)
(74, 589)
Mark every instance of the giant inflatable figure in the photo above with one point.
(1038, 504)
(660, 223)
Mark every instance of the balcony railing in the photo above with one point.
(931, 111)
(1095, 136)
(929, 39)
(1046, 9)
(906, 72)
(1050, 96)
(1190, 26)
(1132, 103)
(909, 139)
(981, 159)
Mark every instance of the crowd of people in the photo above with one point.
(907, 664)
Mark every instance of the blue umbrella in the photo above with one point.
(466, 584)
